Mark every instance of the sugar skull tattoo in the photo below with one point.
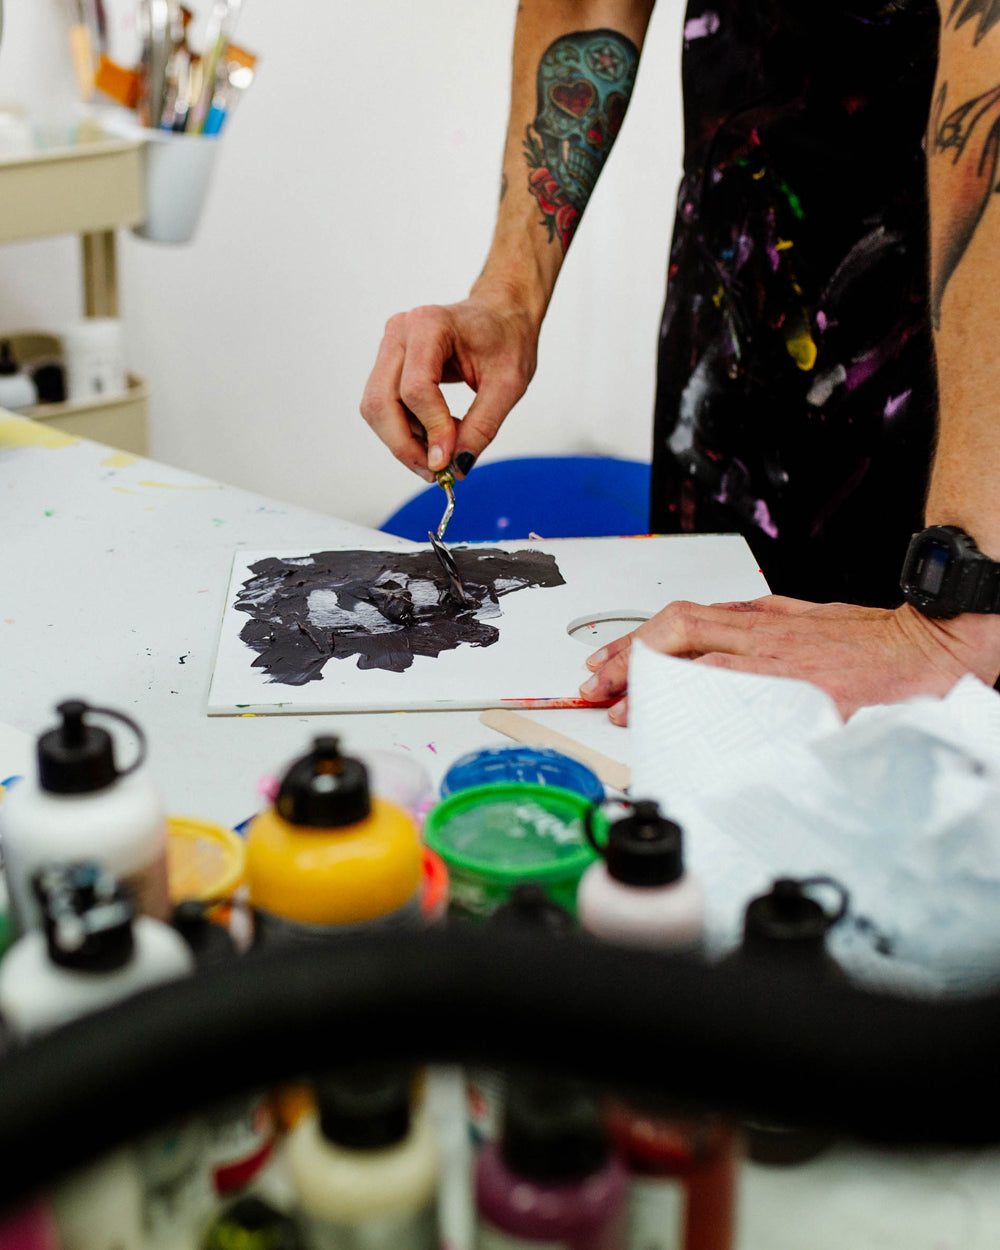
(585, 81)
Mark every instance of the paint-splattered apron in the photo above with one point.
(796, 391)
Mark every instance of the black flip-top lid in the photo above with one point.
(366, 1106)
(87, 916)
(788, 918)
(77, 757)
(644, 848)
(529, 907)
(324, 789)
(553, 1129)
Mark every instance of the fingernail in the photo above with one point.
(589, 686)
(436, 459)
(617, 711)
(464, 462)
(598, 658)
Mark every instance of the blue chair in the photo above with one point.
(555, 496)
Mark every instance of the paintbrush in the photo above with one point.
(446, 480)
(81, 45)
(221, 25)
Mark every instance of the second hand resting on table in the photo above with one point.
(858, 655)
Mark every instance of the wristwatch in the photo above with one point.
(945, 574)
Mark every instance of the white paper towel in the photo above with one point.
(901, 804)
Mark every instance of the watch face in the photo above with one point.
(932, 567)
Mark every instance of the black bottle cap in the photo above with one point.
(87, 916)
(644, 849)
(553, 1129)
(253, 1224)
(366, 1106)
(210, 943)
(324, 789)
(787, 920)
(8, 365)
(529, 907)
(75, 758)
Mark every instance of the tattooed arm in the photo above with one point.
(574, 65)
(964, 172)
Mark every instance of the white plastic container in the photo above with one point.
(92, 952)
(81, 806)
(178, 174)
(365, 1170)
(638, 893)
(94, 357)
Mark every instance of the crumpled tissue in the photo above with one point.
(900, 804)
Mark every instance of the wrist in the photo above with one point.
(512, 295)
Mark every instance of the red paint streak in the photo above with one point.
(557, 702)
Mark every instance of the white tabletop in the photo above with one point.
(112, 586)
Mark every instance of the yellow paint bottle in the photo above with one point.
(328, 856)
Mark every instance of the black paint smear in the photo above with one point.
(385, 607)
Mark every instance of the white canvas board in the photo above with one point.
(536, 661)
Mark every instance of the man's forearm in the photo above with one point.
(963, 147)
(574, 66)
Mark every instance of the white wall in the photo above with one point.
(359, 178)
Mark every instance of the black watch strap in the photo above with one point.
(945, 574)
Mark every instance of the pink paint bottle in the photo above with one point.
(552, 1181)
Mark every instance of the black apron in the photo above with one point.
(796, 393)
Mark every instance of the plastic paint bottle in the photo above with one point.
(787, 927)
(639, 893)
(252, 1224)
(552, 1182)
(82, 806)
(364, 1167)
(540, 766)
(682, 1172)
(17, 390)
(528, 909)
(93, 951)
(240, 1132)
(683, 1177)
(328, 855)
(494, 837)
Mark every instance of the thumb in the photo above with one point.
(486, 414)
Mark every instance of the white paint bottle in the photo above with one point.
(91, 952)
(364, 1166)
(639, 893)
(81, 806)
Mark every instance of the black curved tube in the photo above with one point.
(767, 1042)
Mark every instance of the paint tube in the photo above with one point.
(235, 74)
(156, 20)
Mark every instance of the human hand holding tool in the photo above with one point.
(487, 341)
